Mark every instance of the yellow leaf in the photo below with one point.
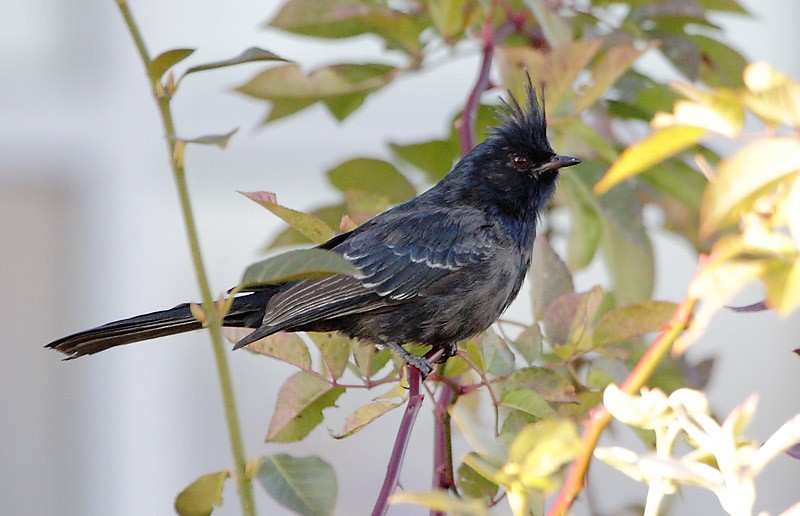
(657, 147)
(771, 95)
(743, 175)
(687, 113)
(783, 287)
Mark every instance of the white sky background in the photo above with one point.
(91, 232)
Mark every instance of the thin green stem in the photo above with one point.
(214, 319)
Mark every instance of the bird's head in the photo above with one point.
(518, 149)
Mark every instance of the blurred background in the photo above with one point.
(90, 231)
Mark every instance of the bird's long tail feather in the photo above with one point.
(245, 311)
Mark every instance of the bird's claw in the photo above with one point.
(422, 364)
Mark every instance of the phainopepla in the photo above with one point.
(436, 269)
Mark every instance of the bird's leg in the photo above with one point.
(421, 363)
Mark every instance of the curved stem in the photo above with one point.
(490, 38)
(175, 149)
(599, 417)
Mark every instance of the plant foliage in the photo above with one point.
(545, 377)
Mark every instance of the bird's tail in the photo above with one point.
(245, 311)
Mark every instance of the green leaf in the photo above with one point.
(202, 495)
(730, 6)
(309, 225)
(527, 401)
(251, 55)
(586, 228)
(720, 65)
(341, 87)
(220, 140)
(475, 485)
(627, 322)
(557, 69)
(166, 60)
(475, 355)
(368, 413)
(435, 157)
(298, 410)
(577, 138)
(541, 449)
(362, 206)
(682, 53)
(556, 30)
(297, 265)
(743, 176)
(625, 245)
(548, 383)
(335, 350)
(304, 485)
(281, 108)
(347, 18)
(606, 72)
(369, 358)
(288, 347)
(343, 106)
(585, 315)
(655, 148)
(558, 318)
(448, 16)
(488, 451)
(513, 424)
(678, 180)
(549, 277)
(577, 330)
(330, 215)
(373, 176)
(629, 260)
(443, 502)
(529, 343)
(496, 353)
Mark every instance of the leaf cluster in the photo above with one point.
(543, 377)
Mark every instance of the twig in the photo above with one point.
(490, 38)
(175, 149)
(442, 450)
(599, 417)
(401, 442)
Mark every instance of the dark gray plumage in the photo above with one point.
(436, 269)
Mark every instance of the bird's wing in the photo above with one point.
(401, 256)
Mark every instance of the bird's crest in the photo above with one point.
(524, 127)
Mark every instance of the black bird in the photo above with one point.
(436, 269)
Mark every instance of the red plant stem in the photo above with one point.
(401, 442)
(442, 451)
(490, 38)
(599, 416)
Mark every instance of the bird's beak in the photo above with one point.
(560, 162)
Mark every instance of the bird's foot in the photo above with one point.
(450, 350)
(422, 364)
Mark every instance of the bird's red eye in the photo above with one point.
(519, 161)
